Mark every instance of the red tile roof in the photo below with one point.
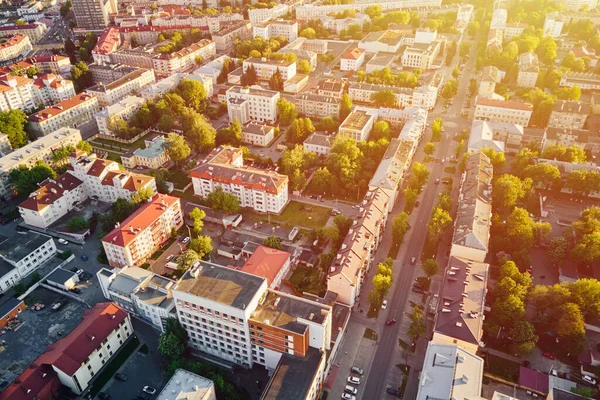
(266, 262)
(67, 354)
(18, 27)
(353, 54)
(518, 105)
(50, 80)
(107, 42)
(7, 81)
(18, 38)
(50, 192)
(59, 108)
(137, 222)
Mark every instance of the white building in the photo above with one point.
(337, 25)
(585, 80)
(424, 51)
(529, 69)
(124, 109)
(16, 93)
(266, 68)
(352, 59)
(513, 30)
(15, 48)
(499, 17)
(153, 156)
(5, 146)
(278, 27)
(140, 292)
(465, 11)
(116, 91)
(313, 11)
(261, 190)
(28, 155)
(357, 126)
(553, 24)
(580, 5)
(78, 109)
(90, 177)
(500, 136)
(21, 255)
(185, 59)
(187, 385)
(226, 37)
(254, 103)
(509, 111)
(164, 86)
(258, 15)
(422, 96)
(490, 77)
(318, 143)
(569, 114)
(50, 89)
(108, 42)
(317, 106)
(34, 31)
(257, 134)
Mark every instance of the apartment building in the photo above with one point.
(585, 80)
(50, 89)
(421, 55)
(38, 150)
(357, 126)
(529, 69)
(500, 136)
(257, 134)
(76, 110)
(490, 77)
(259, 15)
(569, 114)
(494, 40)
(313, 11)
(187, 385)
(507, 111)
(94, 14)
(553, 24)
(153, 156)
(15, 48)
(140, 292)
(499, 18)
(34, 31)
(465, 12)
(266, 68)
(89, 177)
(332, 87)
(245, 104)
(10, 310)
(5, 146)
(352, 59)
(318, 143)
(108, 42)
(263, 191)
(473, 220)
(337, 25)
(124, 109)
(363, 92)
(450, 372)
(380, 61)
(107, 73)
(317, 106)
(185, 59)
(74, 360)
(134, 240)
(214, 22)
(111, 93)
(579, 5)
(21, 255)
(226, 37)
(513, 30)
(58, 65)
(353, 260)
(16, 93)
(277, 27)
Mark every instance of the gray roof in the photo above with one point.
(293, 376)
(60, 276)
(573, 107)
(5, 267)
(483, 133)
(319, 139)
(8, 306)
(382, 59)
(559, 394)
(124, 284)
(19, 246)
(221, 284)
(391, 169)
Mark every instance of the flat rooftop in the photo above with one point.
(357, 120)
(221, 284)
(19, 246)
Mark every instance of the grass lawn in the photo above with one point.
(138, 144)
(450, 170)
(307, 280)
(187, 195)
(179, 179)
(353, 197)
(113, 366)
(506, 369)
(295, 214)
(371, 334)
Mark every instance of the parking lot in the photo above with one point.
(41, 329)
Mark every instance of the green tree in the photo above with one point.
(417, 326)
(26, 180)
(81, 76)
(473, 86)
(308, 33)
(197, 215)
(384, 98)
(187, 259)
(382, 283)
(429, 148)
(176, 147)
(231, 135)
(508, 310)
(410, 198)
(381, 130)
(375, 298)
(439, 221)
(322, 180)
(12, 124)
(345, 106)
(450, 89)
(193, 93)
(399, 227)
(84, 146)
(202, 245)
(170, 346)
(557, 250)
(542, 173)
(430, 267)
(465, 49)
(304, 67)
(523, 338)
(508, 189)
(76, 224)
(420, 175)
(569, 320)
(276, 81)
(218, 200)
(497, 158)
(287, 111)
(273, 242)
(328, 124)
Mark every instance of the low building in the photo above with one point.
(5, 146)
(277, 27)
(164, 86)
(263, 191)
(271, 264)
(357, 126)
(62, 279)
(295, 84)
(513, 30)
(116, 91)
(318, 143)
(388, 41)
(569, 114)
(134, 240)
(585, 80)
(153, 156)
(422, 96)
(141, 292)
(187, 385)
(254, 103)
(258, 15)
(502, 137)
(10, 310)
(589, 53)
(28, 155)
(185, 59)
(352, 59)
(332, 87)
(529, 69)
(450, 372)
(15, 48)
(490, 77)
(422, 55)
(266, 68)
(122, 110)
(78, 109)
(507, 111)
(74, 360)
(380, 61)
(21, 255)
(107, 73)
(317, 106)
(35, 31)
(338, 24)
(257, 134)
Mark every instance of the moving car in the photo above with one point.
(390, 322)
(62, 241)
(84, 257)
(384, 304)
(357, 370)
(413, 260)
(394, 392)
(354, 380)
(149, 389)
(437, 181)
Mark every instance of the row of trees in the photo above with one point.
(178, 39)
(295, 163)
(12, 124)
(384, 76)
(382, 283)
(264, 47)
(439, 221)
(419, 176)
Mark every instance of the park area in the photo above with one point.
(295, 214)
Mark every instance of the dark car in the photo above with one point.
(84, 257)
(74, 269)
(76, 290)
(418, 290)
(417, 203)
(390, 322)
(394, 392)
(121, 377)
(104, 396)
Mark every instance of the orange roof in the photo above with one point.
(49, 80)
(519, 105)
(13, 41)
(9, 82)
(266, 262)
(99, 166)
(137, 222)
(107, 41)
(60, 107)
(50, 192)
(353, 54)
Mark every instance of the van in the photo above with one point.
(350, 389)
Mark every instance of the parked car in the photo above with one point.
(62, 241)
(589, 379)
(79, 272)
(437, 181)
(384, 304)
(354, 380)
(390, 322)
(121, 377)
(76, 290)
(104, 396)
(394, 392)
(418, 290)
(169, 258)
(350, 389)
(357, 370)
(550, 356)
(149, 389)
(185, 240)
(348, 396)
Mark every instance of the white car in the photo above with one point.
(348, 396)
(354, 380)
(62, 241)
(589, 379)
(149, 389)
(185, 240)
(384, 304)
(79, 272)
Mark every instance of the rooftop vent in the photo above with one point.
(311, 316)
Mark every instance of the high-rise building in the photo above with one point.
(93, 14)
